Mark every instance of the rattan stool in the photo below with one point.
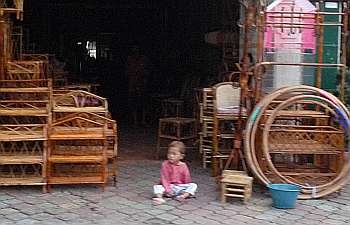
(236, 184)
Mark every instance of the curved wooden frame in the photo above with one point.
(272, 117)
(79, 101)
(251, 130)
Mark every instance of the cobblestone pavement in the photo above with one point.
(129, 203)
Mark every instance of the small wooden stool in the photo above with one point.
(176, 129)
(236, 184)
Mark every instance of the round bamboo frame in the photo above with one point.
(307, 190)
(328, 101)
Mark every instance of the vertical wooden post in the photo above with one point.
(44, 164)
(320, 29)
(260, 41)
(3, 49)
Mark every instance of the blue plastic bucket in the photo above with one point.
(284, 196)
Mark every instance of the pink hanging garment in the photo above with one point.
(301, 38)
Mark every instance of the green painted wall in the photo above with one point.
(331, 49)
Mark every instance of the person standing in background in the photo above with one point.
(137, 72)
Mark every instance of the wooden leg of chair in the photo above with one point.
(115, 181)
(158, 149)
(45, 188)
(247, 193)
(48, 188)
(115, 171)
(223, 192)
(158, 140)
(103, 186)
(250, 191)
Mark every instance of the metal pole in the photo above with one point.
(343, 52)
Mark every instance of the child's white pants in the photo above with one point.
(176, 188)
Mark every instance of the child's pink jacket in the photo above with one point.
(174, 174)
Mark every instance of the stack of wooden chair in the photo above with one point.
(206, 112)
(53, 137)
(53, 68)
(46, 138)
(226, 115)
(219, 113)
(95, 136)
(77, 151)
(19, 70)
(24, 118)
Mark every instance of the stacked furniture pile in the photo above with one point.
(303, 131)
(82, 138)
(24, 118)
(18, 70)
(77, 151)
(219, 114)
(297, 134)
(52, 67)
(206, 106)
(46, 138)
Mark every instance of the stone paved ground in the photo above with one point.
(129, 202)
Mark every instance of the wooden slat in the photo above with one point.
(75, 159)
(22, 132)
(23, 101)
(21, 159)
(236, 189)
(75, 180)
(303, 127)
(304, 148)
(306, 130)
(22, 138)
(79, 109)
(235, 195)
(309, 174)
(76, 136)
(306, 152)
(172, 137)
(33, 81)
(227, 136)
(22, 181)
(237, 180)
(228, 116)
(23, 112)
(298, 113)
(25, 90)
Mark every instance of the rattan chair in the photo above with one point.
(226, 110)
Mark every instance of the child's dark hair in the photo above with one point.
(178, 144)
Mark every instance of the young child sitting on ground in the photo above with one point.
(175, 178)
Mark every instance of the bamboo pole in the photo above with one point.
(320, 47)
